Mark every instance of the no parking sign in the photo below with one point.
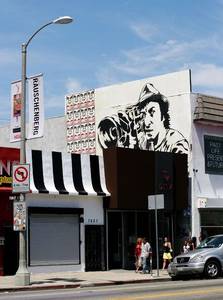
(20, 178)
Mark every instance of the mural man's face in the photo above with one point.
(152, 122)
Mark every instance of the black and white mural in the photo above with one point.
(145, 125)
(148, 114)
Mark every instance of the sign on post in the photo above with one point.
(156, 201)
(20, 178)
(19, 216)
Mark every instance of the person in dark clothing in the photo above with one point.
(167, 252)
(194, 241)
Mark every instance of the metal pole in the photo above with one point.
(157, 237)
(23, 108)
(22, 275)
(123, 241)
(156, 219)
(106, 222)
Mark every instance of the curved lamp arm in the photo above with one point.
(60, 20)
(29, 40)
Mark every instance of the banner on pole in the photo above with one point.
(15, 123)
(36, 107)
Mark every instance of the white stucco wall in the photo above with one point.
(207, 186)
(93, 206)
(54, 138)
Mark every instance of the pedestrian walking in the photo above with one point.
(167, 252)
(145, 255)
(138, 252)
(186, 246)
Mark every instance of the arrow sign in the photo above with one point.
(20, 178)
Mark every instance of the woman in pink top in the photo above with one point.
(138, 250)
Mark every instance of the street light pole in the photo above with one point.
(22, 275)
(157, 236)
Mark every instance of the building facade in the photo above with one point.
(130, 143)
(207, 192)
(8, 237)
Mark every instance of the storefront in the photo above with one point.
(128, 215)
(69, 198)
(207, 166)
(8, 238)
(64, 208)
(65, 214)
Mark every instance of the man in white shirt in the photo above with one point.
(145, 255)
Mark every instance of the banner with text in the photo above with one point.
(36, 107)
(15, 122)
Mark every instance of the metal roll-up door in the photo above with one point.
(54, 239)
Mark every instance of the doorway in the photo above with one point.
(123, 228)
(11, 251)
(94, 248)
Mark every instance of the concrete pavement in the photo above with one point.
(81, 279)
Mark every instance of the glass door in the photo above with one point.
(129, 239)
(115, 237)
(123, 228)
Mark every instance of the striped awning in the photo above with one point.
(64, 173)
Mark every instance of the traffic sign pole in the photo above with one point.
(21, 184)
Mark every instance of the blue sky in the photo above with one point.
(109, 42)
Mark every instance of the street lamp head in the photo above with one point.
(63, 20)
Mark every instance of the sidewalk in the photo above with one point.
(81, 279)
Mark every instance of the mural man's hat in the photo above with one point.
(148, 91)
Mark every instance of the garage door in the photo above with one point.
(54, 239)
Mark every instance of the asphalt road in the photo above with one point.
(185, 290)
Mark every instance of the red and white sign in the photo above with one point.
(20, 179)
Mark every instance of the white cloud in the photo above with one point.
(157, 55)
(211, 92)
(160, 58)
(7, 57)
(4, 112)
(144, 30)
(207, 75)
(55, 103)
(146, 60)
(74, 86)
(107, 76)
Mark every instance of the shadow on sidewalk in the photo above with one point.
(57, 279)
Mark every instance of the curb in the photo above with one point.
(81, 285)
(119, 282)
